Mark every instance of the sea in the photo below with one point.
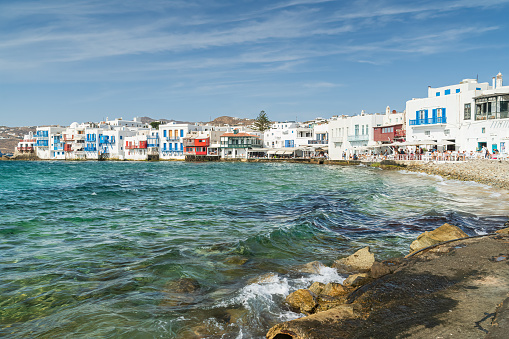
(201, 250)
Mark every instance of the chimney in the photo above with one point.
(499, 80)
(493, 82)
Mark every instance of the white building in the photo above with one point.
(486, 120)
(287, 134)
(439, 117)
(350, 135)
(171, 135)
(49, 143)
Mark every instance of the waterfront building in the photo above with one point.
(136, 147)
(287, 134)
(203, 143)
(236, 144)
(350, 135)
(392, 129)
(49, 143)
(437, 119)
(172, 136)
(26, 145)
(486, 120)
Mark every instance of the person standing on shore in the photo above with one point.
(484, 152)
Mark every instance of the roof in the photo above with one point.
(239, 135)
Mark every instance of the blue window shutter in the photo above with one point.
(447, 92)
(181, 133)
(417, 115)
(443, 113)
(426, 116)
(181, 146)
(457, 90)
(438, 94)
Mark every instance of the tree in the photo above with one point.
(262, 122)
(155, 124)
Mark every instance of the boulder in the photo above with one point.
(334, 289)
(356, 280)
(503, 230)
(313, 267)
(236, 260)
(443, 233)
(183, 285)
(360, 261)
(379, 269)
(316, 287)
(305, 328)
(302, 300)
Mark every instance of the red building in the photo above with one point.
(389, 133)
(196, 145)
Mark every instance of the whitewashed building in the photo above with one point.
(350, 135)
(171, 136)
(439, 117)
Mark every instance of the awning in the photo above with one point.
(271, 152)
(445, 142)
(280, 152)
(288, 152)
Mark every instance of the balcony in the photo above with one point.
(318, 142)
(172, 139)
(400, 133)
(25, 149)
(428, 121)
(90, 149)
(359, 137)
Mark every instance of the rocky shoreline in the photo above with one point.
(489, 172)
(450, 285)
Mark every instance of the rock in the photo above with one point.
(360, 261)
(302, 300)
(334, 289)
(443, 233)
(183, 285)
(236, 260)
(313, 267)
(311, 326)
(316, 287)
(379, 269)
(263, 279)
(356, 280)
(503, 230)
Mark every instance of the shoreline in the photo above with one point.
(494, 173)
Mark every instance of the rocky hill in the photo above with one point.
(10, 136)
(231, 121)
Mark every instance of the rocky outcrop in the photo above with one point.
(456, 289)
(445, 232)
(360, 261)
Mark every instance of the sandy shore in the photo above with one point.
(489, 172)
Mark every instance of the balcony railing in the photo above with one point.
(318, 142)
(400, 133)
(28, 149)
(90, 149)
(359, 137)
(428, 121)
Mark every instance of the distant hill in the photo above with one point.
(148, 120)
(226, 120)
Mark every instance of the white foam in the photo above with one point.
(93, 193)
(481, 232)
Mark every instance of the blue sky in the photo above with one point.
(65, 61)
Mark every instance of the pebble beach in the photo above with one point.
(489, 172)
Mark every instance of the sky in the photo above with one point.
(194, 60)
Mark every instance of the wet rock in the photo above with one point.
(236, 260)
(360, 261)
(180, 292)
(263, 279)
(316, 287)
(302, 300)
(503, 230)
(443, 233)
(236, 315)
(183, 285)
(313, 267)
(356, 280)
(313, 325)
(334, 289)
(379, 269)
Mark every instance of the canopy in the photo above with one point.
(288, 152)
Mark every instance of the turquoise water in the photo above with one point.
(95, 249)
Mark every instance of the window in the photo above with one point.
(483, 130)
(437, 94)
(356, 129)
(427, 133)
(447, 92)
(422, 114)
(467, 112)
(447, 131)
(457, 90)
(439, 112)
(478, 89)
